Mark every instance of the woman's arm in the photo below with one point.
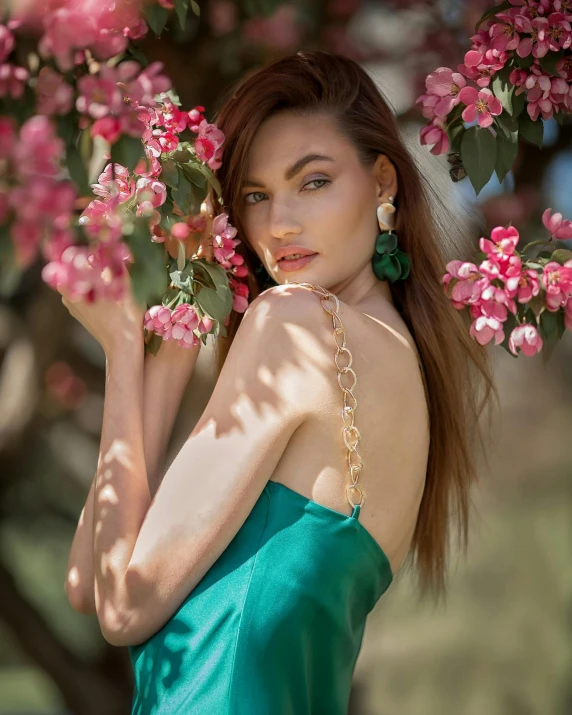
(166, 376)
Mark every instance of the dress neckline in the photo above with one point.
(339, 515)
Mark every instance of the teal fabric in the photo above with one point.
(276, 624)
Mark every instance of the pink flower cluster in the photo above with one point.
(532, 27)
(36, 202)
(501, 280)
(90, 272)
(13, 78)
(71, 27)
(115, 97)
(179, 324)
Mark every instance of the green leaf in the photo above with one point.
(10, 273)
(548, 62)
(195, 7)
(455, 136)
(149, 275)
(195, 175)
(181, 8)
(127, 151)
(551, 328)
(533, 132)
(491, 12)
(156, 16)
(502, 88)
(561, 255)
(217, 302)
(523, 62)
(518, 101)
(77, 171)
(185, 195)
(508, 125)
(137, 54)
(559, 117)
(507, 150)
(478, 153)
(213, 181)
(169, 173)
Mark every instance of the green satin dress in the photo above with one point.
(276, 624)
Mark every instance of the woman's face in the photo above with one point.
(326, 205)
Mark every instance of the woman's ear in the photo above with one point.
(385, 176)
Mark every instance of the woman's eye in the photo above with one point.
(323, 182)
(314, 181)
(254, 193)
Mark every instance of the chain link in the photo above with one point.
(350, 432)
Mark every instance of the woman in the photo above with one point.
(244, 585)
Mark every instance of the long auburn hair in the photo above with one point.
(458, 372)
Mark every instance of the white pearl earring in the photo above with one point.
(385, 216)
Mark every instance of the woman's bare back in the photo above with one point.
(392, 418)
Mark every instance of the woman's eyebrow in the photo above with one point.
(291, 172)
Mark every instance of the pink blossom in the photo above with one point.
(196, 118)
(122, 188)
(557, 281)
(180, 231)
(13, 80)
(481, 65)
(485, 328)
(559, 31)
(523, 286)
(469, 283)
(223, 244)
(503, 31)
(101, 220)
(538, 40)
(559, 228)
(281, 31)
(7, 43)
(240, 294)
(503, 244)
(109, 128)
(151, 190)
(446, 84)
(38, 150)
(26, 238)
(53, 94)
(208, 145)
(222, 17)
(435, 133)
(146, 85)
(482, 104)
(99, 94)
(91, 273)
(178, 325)
(527, 338)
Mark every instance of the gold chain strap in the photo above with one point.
(349, 431)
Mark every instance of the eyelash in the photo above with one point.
(253, 203)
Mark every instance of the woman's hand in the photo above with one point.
(113, 323)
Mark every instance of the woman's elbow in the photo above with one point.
(80, 598)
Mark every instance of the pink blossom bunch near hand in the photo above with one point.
(503, 283)
(91, 273)
(36, 202)
(179, 325)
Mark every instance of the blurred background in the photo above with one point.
(502, 645)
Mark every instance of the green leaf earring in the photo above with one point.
(388, 262)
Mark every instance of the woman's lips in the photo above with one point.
(296, 264)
